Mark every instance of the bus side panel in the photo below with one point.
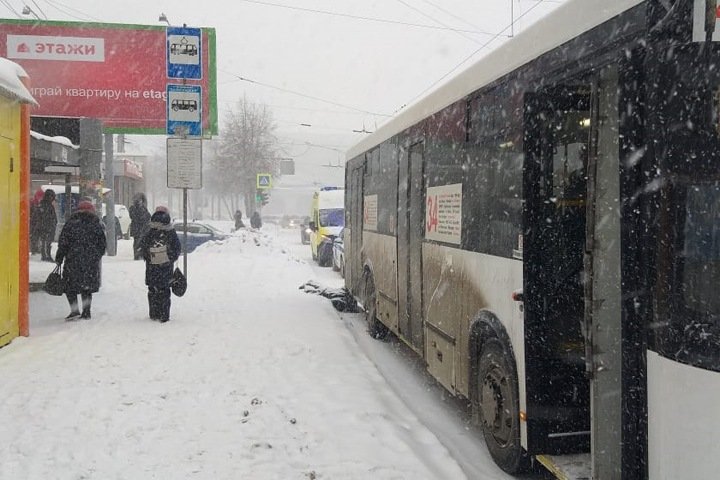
(683, 415)
(381, 252)
(458, 285)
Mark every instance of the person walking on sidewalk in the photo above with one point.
(81, 246)
(160, 248)
(139, 222)
(46, 223)
(255, 220)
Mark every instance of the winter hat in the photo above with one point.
(85, 206)
(162, 208)
(160, 217)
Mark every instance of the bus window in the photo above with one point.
(687, 323)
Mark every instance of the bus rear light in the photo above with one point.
(523, 416)
(517, 295)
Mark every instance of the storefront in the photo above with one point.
(14, 195)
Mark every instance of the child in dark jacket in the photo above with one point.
(160, 248)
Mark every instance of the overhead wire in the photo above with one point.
(10, 7)
(452, 70)
(359, 17)
(67, 10)
(39, 9)
(300, 94)
(462, 34)
(448, 12)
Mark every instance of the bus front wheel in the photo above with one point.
(497, 394)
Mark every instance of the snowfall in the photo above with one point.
(253, 378)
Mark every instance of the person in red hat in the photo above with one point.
(81, 247)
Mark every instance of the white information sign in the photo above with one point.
(443, 215)
(184, 163)
(370, 217)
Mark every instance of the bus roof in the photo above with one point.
(567, 22)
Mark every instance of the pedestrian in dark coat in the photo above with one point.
(139, 222)
(35, 221)
(81, 247)
(255, 221)
(46, 223)
(160, 249)
(238, 220)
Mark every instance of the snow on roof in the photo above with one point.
(10, 84)
(331, 199)
(567, 22)
(61, 140)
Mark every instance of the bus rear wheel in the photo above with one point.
(497, 394)
(375, 328)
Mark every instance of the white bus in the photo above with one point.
(544, 230)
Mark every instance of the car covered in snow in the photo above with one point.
(339, 253)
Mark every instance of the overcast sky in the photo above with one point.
(375, 67)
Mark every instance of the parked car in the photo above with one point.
(305, 231)
(288, 221)
(198, 233)
(339, 253)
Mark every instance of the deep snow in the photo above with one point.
(252, 378)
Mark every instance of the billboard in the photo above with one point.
(114, 72)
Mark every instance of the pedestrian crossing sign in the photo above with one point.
(264, 180)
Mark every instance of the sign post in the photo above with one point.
(184, 170)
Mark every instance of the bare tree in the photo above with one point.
(247, 147)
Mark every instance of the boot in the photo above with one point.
(74, 312)
(86, 299)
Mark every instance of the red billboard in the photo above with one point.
(117, 73)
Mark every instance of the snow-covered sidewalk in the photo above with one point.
(251, 379)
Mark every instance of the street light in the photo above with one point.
(163, 18)
(29, 11)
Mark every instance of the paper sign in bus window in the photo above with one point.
(370, 213)
(443, 213)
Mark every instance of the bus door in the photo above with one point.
(557, 145)
(411, 230)
(353, 259)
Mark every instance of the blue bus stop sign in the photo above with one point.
(184, 52)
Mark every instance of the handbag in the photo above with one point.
(178, 284)
(55, 284)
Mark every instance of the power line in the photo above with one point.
(358, 17)
(464, 35)
(314, 110)
(448, 12)
(469, 56)
(330, 102)
(39, 9)
(10, 7)
(67, 10)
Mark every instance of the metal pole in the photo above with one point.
(512, 18)
(185, 231)
(110, 201)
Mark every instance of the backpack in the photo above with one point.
(159, 251)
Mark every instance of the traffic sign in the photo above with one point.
(264, 180)
(184, 110)
(184, 163)
(184, 52)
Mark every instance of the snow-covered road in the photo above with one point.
(252, 378)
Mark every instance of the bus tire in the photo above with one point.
(499, 407)
(375, 327)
